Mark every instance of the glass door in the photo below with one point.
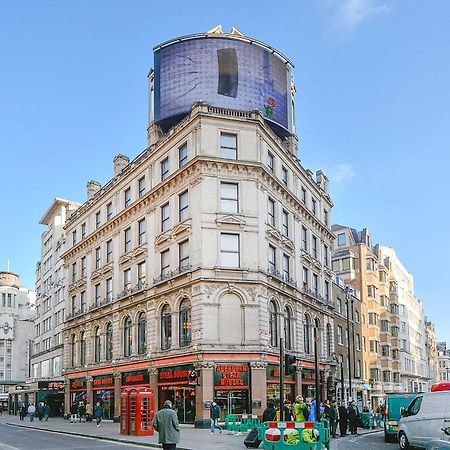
(232, 402)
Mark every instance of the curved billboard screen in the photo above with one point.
(224, 72)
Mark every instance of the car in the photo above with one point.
(394, 403)
(426, 418)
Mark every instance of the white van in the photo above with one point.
(426, 418)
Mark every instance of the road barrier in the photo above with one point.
(295, 435)
(242, 423)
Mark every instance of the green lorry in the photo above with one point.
(394, 402)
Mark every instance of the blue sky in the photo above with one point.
(373, 109)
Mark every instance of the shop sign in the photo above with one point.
(133, 378)
(273, 373)
(177, 374)
(78, 383)
(231, 376)
(103, 381)
(52, 385)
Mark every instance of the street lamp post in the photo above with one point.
(347, 301)
(316, 368)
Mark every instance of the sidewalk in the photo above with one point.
(191, 438)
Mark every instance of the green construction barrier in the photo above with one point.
(367, 420)
(241, 423)
(294, 435)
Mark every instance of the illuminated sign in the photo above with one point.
(224, 72)
(79, 383)
(132, 378)
(103, 381)
(51, 385)
(231, 376)
(177, 375)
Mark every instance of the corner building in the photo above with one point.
(200, 254)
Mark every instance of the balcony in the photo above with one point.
(75, 313)
(274, 272)
(129, 291)
(172, 274)
(315, 295)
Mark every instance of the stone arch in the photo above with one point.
(231, 311)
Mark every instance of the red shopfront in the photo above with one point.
(78, 391)
(103, 392)
(136, 378)
(177, 384)
(232, 388)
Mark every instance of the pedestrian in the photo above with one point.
(167, 425)
(215, 415)
(23, 411)
(352, 412)
(74, 413)
(82, 412)
(1, 409)
(288, 412)
(40, 411)
(98, 413)
(300, 409)
(88, 412)
(333, 418)
(31, 411)
(312, 411)
(343, 419)
(46, 411)
(269, 413)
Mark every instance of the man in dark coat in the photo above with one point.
(333, 414)
(269, 413)
(167, 425)
(343, 419)
(352, 412)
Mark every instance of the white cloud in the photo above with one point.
(341, 173)
(349, 14)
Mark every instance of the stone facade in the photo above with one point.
(199, 255)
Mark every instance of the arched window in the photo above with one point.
(185, 324)
(329, 337)
(288, 328)
(72, 350)
(97, 342)
(307, 334)
(127, 338)
(82, 349)
(273, 324)
(142, 336)
(166, 328)
(109, 342)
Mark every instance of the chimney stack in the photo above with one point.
(120, 162)
(92, 188)
(322, 181)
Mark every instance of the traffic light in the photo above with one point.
(289, 364)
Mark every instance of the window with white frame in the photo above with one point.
(74, 271)
(109, 211)
(270, 161)
(229, 198)
(109, 289)
(165, 262)
(182, 155)
(228, 145)
(341, 240)
(109, 251)
(127, 197)
(98, 258)
(314, 205)
(74, 237)
(183, 254)
(326, 256)
(142, 232)
(339, 335)
(97, 219)
(142, 273)
(326, 290)
(304, 239)
(271, 212)
(285, 223)
(164, 169)
(314, 246)
(97, 293)
(83, 230)
(284, 176)
(229, 250)
(127, 279)
(165, 217)
(83, 267)
(83, 300)
(286, 267)
(305, 276)
(183, 206)
(303, 195)
(141, 186)
(272, 258)
(315, 283)
(127, 240)
(326, 217)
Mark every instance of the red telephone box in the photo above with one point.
(137, 411)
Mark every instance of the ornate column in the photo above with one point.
(117, 391)
(298, 381)
(89, 393)
(67, 399)
(153, 381)
(258, 387)
(204, 393)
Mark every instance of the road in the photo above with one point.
(12, 438)
(372, 441)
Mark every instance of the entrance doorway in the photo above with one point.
(232, 402)
(183, 400)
